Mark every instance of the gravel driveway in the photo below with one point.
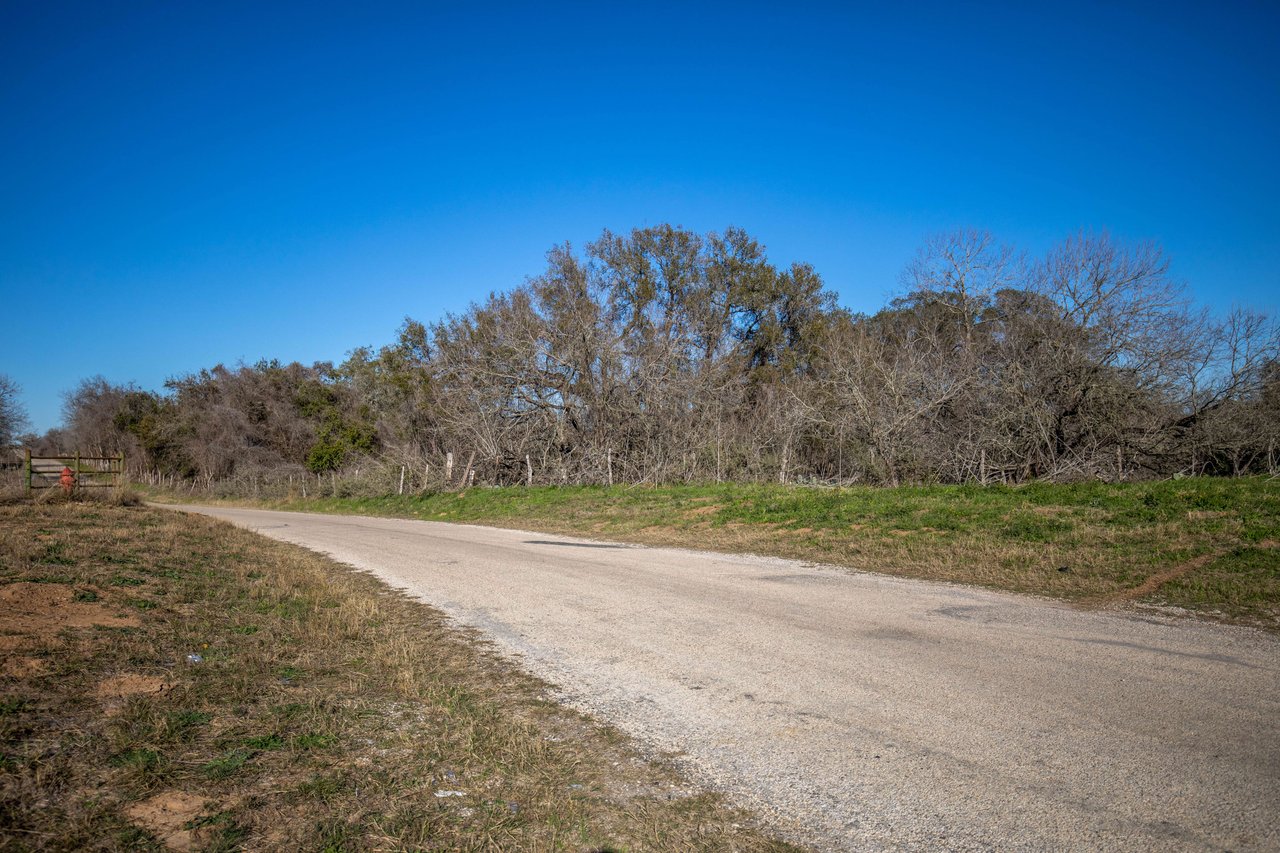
(862, 712)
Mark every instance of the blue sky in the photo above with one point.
(187, 184)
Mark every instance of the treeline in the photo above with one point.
(667, 356)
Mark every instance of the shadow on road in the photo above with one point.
(573, 544)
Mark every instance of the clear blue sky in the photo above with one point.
(184, 184)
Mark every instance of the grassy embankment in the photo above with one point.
(1207, 545)
(326, 712)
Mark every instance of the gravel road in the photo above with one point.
(861, 712)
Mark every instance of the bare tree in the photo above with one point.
(13, 417)
(962, 271)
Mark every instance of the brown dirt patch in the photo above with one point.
(12, 642)
(116, 689)
(16, 666)
(41, 610)
(128, 684)
(166, 814)
(709, 509)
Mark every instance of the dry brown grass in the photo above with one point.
(326, 712)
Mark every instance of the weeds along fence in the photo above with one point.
(369, 478)
(11, 477)
(385, 476)
(366, 480)
(380, 477)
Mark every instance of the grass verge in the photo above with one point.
(171, 681)
(1211, 546)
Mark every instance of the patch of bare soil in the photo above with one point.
(167, 815)
(709, 509)
(115, 690)
(12, 642)
(17, 666)
(120, 686)
(41, 610)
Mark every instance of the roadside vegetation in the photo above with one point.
(169, 680)
(1208, 545)
(663, 357)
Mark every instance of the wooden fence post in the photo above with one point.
(27, 473)
(468, 473)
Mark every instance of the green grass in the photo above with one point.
(328, 726)
(227, 764)
(1085, 542)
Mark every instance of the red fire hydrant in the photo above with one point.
(68, 480)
